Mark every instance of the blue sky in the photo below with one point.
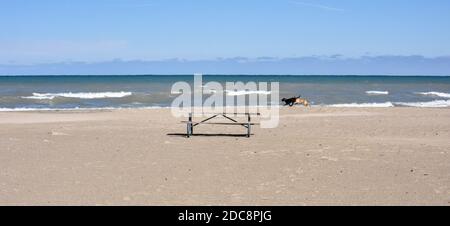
(61, 31)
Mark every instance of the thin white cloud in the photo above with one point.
(313, 65)
(317, 6)
(39, 51)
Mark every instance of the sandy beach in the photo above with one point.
(317, 156)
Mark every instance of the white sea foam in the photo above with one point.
(91, 95)
(176, 92)
(430, 104)
(377, 92)
(211, 91)
(439, 94)
(245, 92)
(75, 109)
(37, 97)
(364, 105)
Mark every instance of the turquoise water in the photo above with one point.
(71, 92)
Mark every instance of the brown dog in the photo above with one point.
(296, 100)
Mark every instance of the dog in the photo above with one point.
(296, 100)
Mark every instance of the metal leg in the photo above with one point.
(190, 121)
(189, 126)
(188, 131)
(248, 126)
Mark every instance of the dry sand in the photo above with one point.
(318, 156)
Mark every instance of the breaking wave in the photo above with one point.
(244, 92)
(377, 92)
(430, 104)
(90, 95)
(25, 109)
(439, 94)
(364, 105)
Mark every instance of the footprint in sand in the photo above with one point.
(348, 150)
(236, 197)
(54, 133)
(329, 158)
(355, 159)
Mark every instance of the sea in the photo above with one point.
(72, 92)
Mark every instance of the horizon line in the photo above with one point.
(187, 74)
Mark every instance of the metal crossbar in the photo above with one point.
(247, 125)
(205, 120)
(226, 113)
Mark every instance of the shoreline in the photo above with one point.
(332, 106)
